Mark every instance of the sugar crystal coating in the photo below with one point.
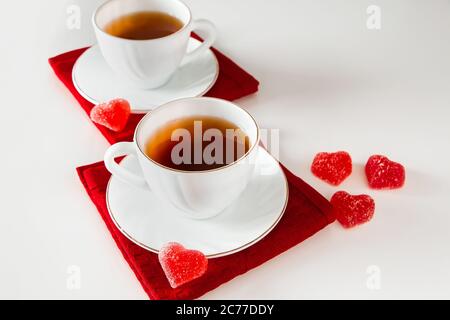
(333, 168)
(352, 210)
(181, 265)
(383, 173)
(113, 114)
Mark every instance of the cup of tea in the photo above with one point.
(197, 153)
(145, 41)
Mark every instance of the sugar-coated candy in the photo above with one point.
(352, 210)
(113, 114)
(383, 173)
(180, 264)
(333, 168)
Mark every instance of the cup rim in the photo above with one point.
(97, 27)
(244, 157)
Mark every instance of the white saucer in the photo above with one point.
(151, 223)
(97, 82)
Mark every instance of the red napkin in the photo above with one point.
(233, 83)
(307, 212)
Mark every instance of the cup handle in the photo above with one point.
(211, 34)
(121, 149)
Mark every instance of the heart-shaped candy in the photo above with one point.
(383, 173)
(333, 168)
(113, 114)
(352, 210)
(180, 264)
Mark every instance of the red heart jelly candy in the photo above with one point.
(181, 265)
(333, 168)
(351, 210)
(383, 173)
(113, 114)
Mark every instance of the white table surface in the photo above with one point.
(327, 82)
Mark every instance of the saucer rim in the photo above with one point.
(211, 256)
(144, 111)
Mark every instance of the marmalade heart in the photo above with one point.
(352, 210)
(383, 173)
(180, 264)
(333, 168)
(113, 114)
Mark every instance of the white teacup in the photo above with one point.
(200, 194)
(149, 63)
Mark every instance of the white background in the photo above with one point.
(327, 82)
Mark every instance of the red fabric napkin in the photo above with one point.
(233, 83)
(307, 212)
